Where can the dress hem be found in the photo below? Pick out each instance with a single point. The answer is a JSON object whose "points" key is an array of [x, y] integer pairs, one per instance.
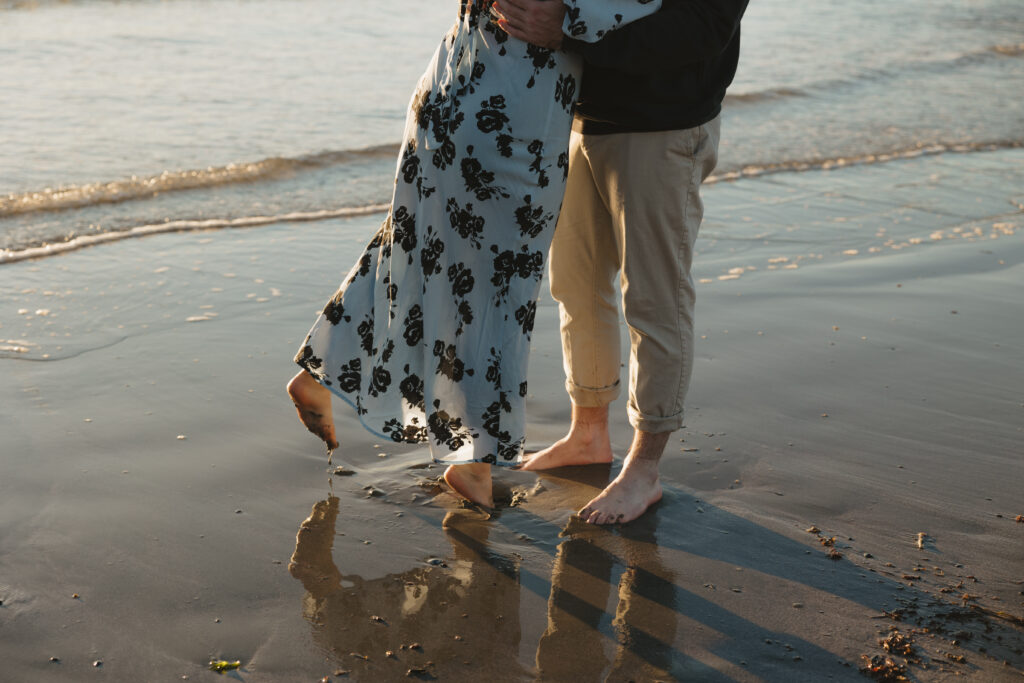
{"points": [[346, 399]]}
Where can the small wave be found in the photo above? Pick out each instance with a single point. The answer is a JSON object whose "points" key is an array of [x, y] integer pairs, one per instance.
{"points": [[185, 226], [117, 191], [887, 73], [763, 95], [755, 170]]}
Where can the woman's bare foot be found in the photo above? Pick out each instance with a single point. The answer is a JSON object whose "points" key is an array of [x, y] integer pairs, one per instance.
{"points": [[313, 402], [472, 481], [635, 489], [587, 442]]}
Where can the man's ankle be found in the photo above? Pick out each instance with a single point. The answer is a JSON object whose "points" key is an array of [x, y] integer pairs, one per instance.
{"points": [[589, 416]]}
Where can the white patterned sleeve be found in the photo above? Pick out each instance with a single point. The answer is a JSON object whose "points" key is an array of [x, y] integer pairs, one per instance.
{"points": [[590, 20]]}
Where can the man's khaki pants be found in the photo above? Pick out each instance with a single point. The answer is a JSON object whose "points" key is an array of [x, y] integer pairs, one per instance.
{"points": [[632, 209]]}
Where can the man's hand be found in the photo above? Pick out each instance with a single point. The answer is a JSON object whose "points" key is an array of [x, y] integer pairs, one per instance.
{"points": [[534, 21]]}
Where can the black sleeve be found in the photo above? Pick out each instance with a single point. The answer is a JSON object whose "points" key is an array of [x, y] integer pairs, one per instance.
{"points": [[681, 32]]}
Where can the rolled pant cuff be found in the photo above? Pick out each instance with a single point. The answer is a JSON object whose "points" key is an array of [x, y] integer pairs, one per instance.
{"points": [[592, 397], [654, 423]]}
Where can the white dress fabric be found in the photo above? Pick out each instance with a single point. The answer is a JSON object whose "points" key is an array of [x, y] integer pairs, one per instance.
{"points": [[428, 335]]}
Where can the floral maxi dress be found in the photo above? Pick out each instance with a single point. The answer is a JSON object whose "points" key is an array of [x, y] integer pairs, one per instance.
{"points": [[428, 335]]}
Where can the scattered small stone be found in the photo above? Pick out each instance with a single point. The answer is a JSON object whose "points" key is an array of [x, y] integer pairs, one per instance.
{"points": [[1020, 519], [340, 471], [813, 530], [55, 660], [74, 596], [883, 669], [458, 637], [181, 437], [834, 554], [898, 644], [824, 414], [217, 620], [98, 663], [358, 656], [341, 672], [868, 556], [920, 540], [417, 671], [238, 512], [415, 646], [798, 605], [390, 654], [378, 619]]}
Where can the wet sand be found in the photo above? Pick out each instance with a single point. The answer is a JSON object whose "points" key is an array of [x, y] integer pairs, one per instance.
{"points": [[859, 375]]}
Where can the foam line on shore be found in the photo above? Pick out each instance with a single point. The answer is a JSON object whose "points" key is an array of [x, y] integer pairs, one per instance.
{"points": [[134, 188], [755, 170], [185, 226]]}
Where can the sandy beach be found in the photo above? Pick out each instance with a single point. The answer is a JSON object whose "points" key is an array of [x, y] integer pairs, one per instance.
{"points": [[851, 466]]}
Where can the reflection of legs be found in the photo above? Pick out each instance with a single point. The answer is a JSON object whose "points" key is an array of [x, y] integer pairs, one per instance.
{"points": [[646, 623], [572, 647], [312, 562], [313, 402], [485, 606]]}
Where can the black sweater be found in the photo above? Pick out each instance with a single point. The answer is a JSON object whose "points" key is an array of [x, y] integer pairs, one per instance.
{"points": [[666, 71]]}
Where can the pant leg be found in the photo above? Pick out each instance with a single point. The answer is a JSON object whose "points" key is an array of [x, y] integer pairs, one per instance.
{"points": [[651, 185], [583, 265]]}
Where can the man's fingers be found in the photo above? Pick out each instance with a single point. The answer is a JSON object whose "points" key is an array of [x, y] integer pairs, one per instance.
{"points": [[511, 12], [512, 30]]}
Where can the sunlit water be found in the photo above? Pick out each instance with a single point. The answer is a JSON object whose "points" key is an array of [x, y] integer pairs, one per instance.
{"points": [[115, 115]]}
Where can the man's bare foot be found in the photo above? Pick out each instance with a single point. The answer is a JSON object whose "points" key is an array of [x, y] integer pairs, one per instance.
{"points": [[587, 443], [313, 402], [472, 481], [635, 489]]}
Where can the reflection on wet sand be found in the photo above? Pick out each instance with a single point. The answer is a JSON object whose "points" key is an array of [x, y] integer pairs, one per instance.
{"points": [[448, 621], [644, 626], [687, 592], [460, 617]]}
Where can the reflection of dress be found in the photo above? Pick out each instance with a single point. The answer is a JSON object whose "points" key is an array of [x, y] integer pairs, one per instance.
{"points": [[429, 334]]}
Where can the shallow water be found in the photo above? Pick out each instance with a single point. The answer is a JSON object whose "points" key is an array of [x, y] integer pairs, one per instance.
{"points": [[127, 114]]}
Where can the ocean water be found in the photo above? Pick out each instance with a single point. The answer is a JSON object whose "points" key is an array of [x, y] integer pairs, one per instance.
{"points": [[128, 117]]}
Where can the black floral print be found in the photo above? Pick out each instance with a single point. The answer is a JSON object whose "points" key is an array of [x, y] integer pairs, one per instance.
{"points": [[428, 335]]}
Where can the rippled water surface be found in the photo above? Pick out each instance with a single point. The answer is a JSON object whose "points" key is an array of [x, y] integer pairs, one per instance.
{"points": [[115, 115]]}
